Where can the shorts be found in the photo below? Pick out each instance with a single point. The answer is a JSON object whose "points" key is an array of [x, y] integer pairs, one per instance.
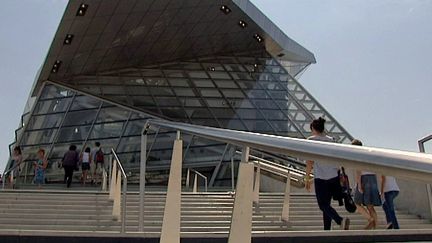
{"points": [[85, 166]]}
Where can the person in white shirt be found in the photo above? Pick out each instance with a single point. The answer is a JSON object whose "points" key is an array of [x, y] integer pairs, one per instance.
{"points": [[85, 160], [326, 179], [389, 191]]}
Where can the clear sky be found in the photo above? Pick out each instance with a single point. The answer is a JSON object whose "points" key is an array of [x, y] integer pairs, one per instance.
{"points": [[373, 71]]}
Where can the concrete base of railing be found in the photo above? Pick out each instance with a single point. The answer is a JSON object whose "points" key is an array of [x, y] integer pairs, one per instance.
{"points": [[306, 236]]}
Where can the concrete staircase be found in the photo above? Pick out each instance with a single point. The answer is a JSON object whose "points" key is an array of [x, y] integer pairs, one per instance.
{"points": [[205, 213]]}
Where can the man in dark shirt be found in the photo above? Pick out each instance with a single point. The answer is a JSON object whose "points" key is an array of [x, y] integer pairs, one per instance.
{"points": [[70, 161]]}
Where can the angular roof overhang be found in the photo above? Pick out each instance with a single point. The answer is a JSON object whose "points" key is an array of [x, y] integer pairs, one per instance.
{"points": [[116, 34]]}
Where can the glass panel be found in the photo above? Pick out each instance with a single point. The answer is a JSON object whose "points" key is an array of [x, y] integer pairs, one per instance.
{"points": [[52, 91], [45, 121], [51, 106], [68, 134], [129, 144], [112, 114], [38, 137], [107, 130], [134, 128], [80, 117], [85, 102]]}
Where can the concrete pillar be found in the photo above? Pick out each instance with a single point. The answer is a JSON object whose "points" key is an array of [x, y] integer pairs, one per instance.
{"points": [[143, 165], [286, 205], [113, 180], [241, 222], [171, 219], [257, 184]]}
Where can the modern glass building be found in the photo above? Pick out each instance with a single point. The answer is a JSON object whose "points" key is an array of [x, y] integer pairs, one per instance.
{"points": [[113, 64]]}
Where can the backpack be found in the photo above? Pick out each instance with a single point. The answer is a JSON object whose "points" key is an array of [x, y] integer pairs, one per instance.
{"points": [[346, 192], [100, 156]]}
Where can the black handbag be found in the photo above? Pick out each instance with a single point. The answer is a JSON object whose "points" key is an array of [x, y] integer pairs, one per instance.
{"points": [[346, 192], [349, 203]]}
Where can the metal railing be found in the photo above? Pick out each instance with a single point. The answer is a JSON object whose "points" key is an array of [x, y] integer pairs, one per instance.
{"points": [[421, 144], [10, 170], [296, 175], [195, 184], [119, 206], [408, 165]]}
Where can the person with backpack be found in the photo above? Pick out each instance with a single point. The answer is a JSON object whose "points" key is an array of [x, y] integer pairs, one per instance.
{"points": [[99, 161]]}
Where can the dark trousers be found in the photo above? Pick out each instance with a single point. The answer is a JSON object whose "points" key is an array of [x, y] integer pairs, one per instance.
{"points": [[389, 210], [325, 190], [68, 174]]}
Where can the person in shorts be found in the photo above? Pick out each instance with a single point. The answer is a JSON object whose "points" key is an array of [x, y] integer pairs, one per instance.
{"points": [[85, 160]]}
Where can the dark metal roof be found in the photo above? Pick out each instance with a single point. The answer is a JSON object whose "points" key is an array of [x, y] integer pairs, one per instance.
{"points": [[116, 34]]}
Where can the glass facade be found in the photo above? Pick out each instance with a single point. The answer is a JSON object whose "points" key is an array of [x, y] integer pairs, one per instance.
{"points": [[249, 92]]}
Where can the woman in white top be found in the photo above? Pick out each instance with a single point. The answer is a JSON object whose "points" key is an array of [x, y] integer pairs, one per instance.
{"points": [[85, 160], [389, 191], [326, 179]]}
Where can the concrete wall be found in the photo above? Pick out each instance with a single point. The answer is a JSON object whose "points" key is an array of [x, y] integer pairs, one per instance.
{"points": [[413, 198], [269, 184]]}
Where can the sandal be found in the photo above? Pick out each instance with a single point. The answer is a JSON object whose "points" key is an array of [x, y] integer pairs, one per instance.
{"points": [[370, 224]]}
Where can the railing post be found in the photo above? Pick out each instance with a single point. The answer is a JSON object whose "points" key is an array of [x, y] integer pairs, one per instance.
{"points": [[232, 174], [286, 204], [241, 221], [123, 205], [257, 184], [195, 185], [104, 180], [117, 199], [143, 166], [171, 219], [187, 178], [113, 180]]}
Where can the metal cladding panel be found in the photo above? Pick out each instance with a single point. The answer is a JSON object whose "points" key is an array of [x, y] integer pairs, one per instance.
{"points": [[120, 34]]}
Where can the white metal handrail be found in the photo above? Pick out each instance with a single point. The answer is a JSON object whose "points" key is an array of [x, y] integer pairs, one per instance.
{"points": [[409, 165], [117, 174], [195, 185]]}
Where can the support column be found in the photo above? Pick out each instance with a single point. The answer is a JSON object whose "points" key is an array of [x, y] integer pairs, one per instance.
{"points": [[195, 185], [142, 178], [171, 220], [113, 180], [241, 221], [286, 205], [257, 184]]}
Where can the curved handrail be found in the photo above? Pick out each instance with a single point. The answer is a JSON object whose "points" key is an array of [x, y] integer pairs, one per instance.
{"points": [[409, 165]]}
